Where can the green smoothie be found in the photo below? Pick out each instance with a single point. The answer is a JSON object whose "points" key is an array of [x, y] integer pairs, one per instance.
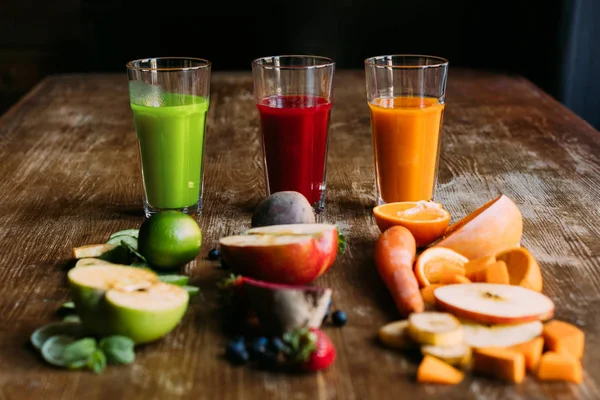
{"points": [[171, 140]]}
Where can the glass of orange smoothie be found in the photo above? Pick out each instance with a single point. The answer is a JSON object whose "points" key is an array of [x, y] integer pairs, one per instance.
{"points": [[406, 95]]}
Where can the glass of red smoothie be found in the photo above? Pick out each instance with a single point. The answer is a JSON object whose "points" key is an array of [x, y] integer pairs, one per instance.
{"points": [[293, 94]]}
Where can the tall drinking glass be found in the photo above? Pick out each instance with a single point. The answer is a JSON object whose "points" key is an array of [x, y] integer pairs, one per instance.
{"points": [[294, 96], [170, 98], [406, 95]]}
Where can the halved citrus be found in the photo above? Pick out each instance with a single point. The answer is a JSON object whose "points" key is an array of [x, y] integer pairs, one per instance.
{"points": [[435, 261], [523, 268], [493, 227], [426, 220]]}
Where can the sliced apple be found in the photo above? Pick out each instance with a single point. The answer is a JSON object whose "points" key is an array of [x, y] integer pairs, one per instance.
{"points": [[480, 336], [283, 308], [92, 250], [293, 254], [493, 227], [128, 301], [491, 303]]}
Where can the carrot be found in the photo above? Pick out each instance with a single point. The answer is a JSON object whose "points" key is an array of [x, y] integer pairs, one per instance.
{"points": [[395, 253], [433, 370]]}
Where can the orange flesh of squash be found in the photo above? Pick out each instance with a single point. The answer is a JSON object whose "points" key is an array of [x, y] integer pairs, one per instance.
{"points": [[562, 337], [427, 293], [555, 366], [478, 264], [434, 370], [499, 362], [497, 273], [532, 351]]}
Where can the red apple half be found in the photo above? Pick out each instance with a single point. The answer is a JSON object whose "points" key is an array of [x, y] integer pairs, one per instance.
{"points": [[491, 303], [295, 254]]}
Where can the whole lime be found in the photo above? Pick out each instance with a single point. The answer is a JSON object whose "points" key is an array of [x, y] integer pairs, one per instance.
{"points": [[169, 239]]}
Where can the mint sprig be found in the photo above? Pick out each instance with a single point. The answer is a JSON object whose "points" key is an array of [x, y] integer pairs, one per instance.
{"points": [[341, 240]]}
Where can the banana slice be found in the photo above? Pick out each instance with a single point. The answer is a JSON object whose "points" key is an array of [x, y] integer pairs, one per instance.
{"points": [[395, 335], [459, 354], [436, 328]]}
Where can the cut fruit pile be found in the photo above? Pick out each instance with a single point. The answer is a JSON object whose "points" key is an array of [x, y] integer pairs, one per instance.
{"points": [[472, 300]]}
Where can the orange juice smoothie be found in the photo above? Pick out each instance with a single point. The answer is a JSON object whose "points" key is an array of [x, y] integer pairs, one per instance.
{"points": [[406, 142]]}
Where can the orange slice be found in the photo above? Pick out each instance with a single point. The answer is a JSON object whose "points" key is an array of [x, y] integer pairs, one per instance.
{"points": [[493, 227], [523, 269], [426, 220], [434, 262]]}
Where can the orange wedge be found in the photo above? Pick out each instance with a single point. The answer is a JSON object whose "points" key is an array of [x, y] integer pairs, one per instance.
{"points": [[523, 269], [434, 262], [493, 227], [426, 220]]}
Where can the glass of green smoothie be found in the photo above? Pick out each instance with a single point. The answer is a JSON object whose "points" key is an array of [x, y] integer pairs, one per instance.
{"points": [[170, 97]]}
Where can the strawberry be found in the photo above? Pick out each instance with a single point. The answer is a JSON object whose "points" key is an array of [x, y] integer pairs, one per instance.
{"points": [[309, 349]]}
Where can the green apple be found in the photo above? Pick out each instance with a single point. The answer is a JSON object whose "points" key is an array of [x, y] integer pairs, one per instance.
{"points": [[128, 301]]}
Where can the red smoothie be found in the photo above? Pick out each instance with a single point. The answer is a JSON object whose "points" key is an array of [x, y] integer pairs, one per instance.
{"points": [[294, 131]]}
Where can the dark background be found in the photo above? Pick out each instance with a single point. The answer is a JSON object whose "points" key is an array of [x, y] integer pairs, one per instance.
{"points": [[554, 43]]}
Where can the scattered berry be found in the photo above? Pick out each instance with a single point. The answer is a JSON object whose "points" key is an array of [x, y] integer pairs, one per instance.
{"points": [[214, 254], [310, 349], [339, 318], [276, 345], [236, 352], [258, 346]]}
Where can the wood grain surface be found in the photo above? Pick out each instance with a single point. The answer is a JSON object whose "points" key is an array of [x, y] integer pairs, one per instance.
{"points": [[69, 176]]}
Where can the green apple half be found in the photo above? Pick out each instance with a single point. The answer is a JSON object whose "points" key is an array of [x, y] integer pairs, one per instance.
{"points": [[128, 301]]}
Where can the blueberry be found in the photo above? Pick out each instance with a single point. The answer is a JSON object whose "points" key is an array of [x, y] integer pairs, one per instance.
{"points": [[236, 352], [339, 318], [258, 346], [275, 345], [214, 254]]}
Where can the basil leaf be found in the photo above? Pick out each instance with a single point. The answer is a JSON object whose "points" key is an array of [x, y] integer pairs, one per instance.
{"points": [[192, 290], [73, 318], [78, 364], [132, 250], [69, 305], [97, 361], [118, 349], [79, 350]]}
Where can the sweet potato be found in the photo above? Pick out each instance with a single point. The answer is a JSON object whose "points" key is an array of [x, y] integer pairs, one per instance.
{"points": [[499, 362], [555, 366], [563, 337], [434, 370], [531, 350], [395, 252]]}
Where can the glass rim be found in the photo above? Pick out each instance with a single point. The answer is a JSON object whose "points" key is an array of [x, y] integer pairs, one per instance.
{"points": [[439, 61], [203, 64], [325, 62]]}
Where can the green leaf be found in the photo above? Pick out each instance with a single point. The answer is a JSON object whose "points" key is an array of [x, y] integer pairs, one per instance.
{"points": [[140, 264], [179, 280], [79, 350], [69, 305], [118, 349], [133, 250], [126, 232], [192, 290], [78, 364], [72, 318], [341, 241], [97, 361], [300, 344]]}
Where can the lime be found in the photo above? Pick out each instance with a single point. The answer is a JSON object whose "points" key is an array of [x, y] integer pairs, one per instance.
{"points": [[179, 280], [169, 239]]}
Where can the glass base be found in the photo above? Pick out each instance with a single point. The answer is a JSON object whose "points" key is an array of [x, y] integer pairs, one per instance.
{"points": [[380, 201], [193, 210]]}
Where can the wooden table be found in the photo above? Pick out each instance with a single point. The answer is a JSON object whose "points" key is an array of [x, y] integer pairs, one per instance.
{"points": [[70, 176]]}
